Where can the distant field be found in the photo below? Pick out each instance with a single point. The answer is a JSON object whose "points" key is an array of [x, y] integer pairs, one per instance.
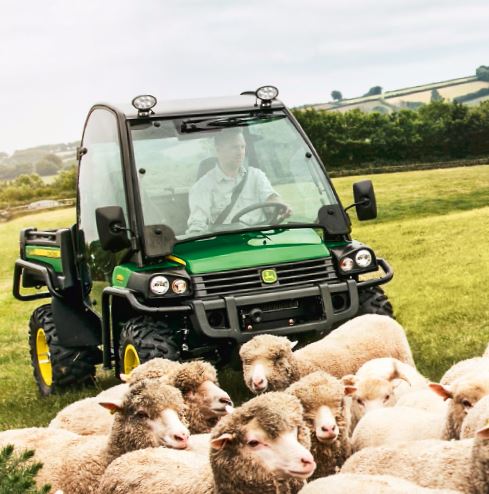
{"points": [[432, 227]]}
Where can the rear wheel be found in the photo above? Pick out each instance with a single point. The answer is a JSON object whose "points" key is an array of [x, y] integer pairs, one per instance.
{"points": [[56, 367], [144, 338], [373, 300]]}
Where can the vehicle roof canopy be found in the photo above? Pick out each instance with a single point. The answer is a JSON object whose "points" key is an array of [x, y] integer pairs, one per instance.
{"points": [[194, 106]]}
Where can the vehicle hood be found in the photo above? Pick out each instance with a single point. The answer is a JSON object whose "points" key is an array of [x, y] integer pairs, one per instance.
{"points": [[249, 249]]}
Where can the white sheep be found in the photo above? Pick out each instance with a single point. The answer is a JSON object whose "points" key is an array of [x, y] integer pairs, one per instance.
{"points": [[382, 426], [379, 383], [270, 364], [476, 418], [396, 424], [459, 465], [206, 401], [353, 483], [424, 399], [328, 417], [148, 416], [261, 447], [468, 366]]}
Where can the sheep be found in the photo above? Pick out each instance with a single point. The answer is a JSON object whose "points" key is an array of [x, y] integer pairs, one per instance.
{"points": [[396, 424], [382, 426], [149, 415], [206, 401], [261, 447], [348, 483], [465, 392], [379, 383], [475, 419], [468, 366], [459, 465], [327, 416], [269, 363], [424, 399]]}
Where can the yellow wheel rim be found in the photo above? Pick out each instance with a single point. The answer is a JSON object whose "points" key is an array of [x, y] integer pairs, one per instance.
{"points": [[44, 357], [131, 359]]}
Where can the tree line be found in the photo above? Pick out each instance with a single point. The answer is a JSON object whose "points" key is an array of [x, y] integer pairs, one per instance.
{"points": [[31, 187], [438, 131]]}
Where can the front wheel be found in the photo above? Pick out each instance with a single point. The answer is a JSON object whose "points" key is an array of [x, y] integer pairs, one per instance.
{"points": [[144, 338], [373, 300], [56, 367]]}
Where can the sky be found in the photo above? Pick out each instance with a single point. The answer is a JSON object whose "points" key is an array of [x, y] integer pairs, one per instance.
{"points": [[58, 57]]}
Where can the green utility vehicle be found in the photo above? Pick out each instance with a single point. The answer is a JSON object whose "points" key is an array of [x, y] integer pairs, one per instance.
{"points": [[200, 224]]}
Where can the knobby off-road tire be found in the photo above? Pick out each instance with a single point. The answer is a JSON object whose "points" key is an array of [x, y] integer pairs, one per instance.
{"points": [[373, 300], [56, 367], [144, 338]]}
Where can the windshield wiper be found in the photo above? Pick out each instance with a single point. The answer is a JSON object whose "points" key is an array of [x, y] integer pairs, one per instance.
{"points": [[202, 124]]}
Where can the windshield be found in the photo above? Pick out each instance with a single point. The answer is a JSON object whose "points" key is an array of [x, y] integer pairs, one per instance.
{"points": [[229, 172]]}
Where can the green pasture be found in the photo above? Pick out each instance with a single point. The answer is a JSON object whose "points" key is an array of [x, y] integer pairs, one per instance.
{"points": [[432, 227]]}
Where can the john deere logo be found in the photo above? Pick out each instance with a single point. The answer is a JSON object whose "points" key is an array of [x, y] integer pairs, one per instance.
{"points": [[269, 276]]}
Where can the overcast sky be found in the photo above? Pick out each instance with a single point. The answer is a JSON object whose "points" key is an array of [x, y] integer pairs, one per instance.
{"points": [[58, 57]]}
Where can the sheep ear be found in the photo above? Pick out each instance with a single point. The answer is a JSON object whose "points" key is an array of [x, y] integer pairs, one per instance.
{"points": [[293, 344], [112, 406], [124, 377], [443, 390], [349, 380], [349, 390], [220, 442], [484, 432]]}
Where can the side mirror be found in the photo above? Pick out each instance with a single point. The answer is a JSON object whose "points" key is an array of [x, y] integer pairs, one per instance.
{"points": [[111, 228], [365, 203]]}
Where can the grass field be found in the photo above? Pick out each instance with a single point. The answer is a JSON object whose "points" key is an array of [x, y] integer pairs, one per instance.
{"points": [[432, 227]]}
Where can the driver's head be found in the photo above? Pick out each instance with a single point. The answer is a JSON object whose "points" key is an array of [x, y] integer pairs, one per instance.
{"points": [[230, 150]]}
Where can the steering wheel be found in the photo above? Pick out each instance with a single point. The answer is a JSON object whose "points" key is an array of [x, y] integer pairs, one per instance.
{"points": [[278, 215]]}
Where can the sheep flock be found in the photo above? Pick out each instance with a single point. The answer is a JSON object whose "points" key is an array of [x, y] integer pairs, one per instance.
{"points": [[348, 413]]}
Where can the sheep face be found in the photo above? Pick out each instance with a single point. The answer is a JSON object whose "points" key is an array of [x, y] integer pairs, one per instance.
{"points": [[370, 394], [197, 380], [210, 399], [282, 456], [262, 442], [465, 392], [325, 425], [322, 397], [149, 416], [268, 363]]}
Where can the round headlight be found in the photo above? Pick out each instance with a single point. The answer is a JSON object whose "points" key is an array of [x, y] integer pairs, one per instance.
{"points": [[159, 285], [267, 93], [363, 258], [179, 286], [144, 102], [347, 264]]}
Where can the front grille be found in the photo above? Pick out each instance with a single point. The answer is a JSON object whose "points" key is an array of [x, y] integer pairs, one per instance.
{"points": [[249, 280]]}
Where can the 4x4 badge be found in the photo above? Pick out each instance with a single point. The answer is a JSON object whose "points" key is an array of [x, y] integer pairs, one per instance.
{"points": [[269, 276]]}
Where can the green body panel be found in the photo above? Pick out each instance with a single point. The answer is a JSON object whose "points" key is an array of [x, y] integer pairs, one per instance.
{"points": [[46, 255], [235, 251], [243, 250]]}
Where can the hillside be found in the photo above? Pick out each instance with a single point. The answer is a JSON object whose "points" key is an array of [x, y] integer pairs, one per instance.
{"points": [[468, 90], [45, 160]]}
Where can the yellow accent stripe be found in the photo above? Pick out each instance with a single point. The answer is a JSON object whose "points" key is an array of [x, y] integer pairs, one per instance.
{"points": [[176, 259], [53, 254]]}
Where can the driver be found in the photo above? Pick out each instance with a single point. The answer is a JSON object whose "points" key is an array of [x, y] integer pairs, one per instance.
{"points": [[229, 187]]}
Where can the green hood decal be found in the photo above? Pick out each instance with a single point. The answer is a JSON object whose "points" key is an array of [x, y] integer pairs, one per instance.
{"points": [[243, 250]]}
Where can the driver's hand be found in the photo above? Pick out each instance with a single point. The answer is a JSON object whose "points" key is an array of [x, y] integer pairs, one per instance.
{"points": [[287, 213]]}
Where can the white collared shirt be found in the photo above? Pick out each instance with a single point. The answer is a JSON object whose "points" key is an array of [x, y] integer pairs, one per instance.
{"points": [[212, 193]]}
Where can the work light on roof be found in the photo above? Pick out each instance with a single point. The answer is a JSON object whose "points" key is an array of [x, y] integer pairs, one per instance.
{"points": [[144, 103], [266, 94]]}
